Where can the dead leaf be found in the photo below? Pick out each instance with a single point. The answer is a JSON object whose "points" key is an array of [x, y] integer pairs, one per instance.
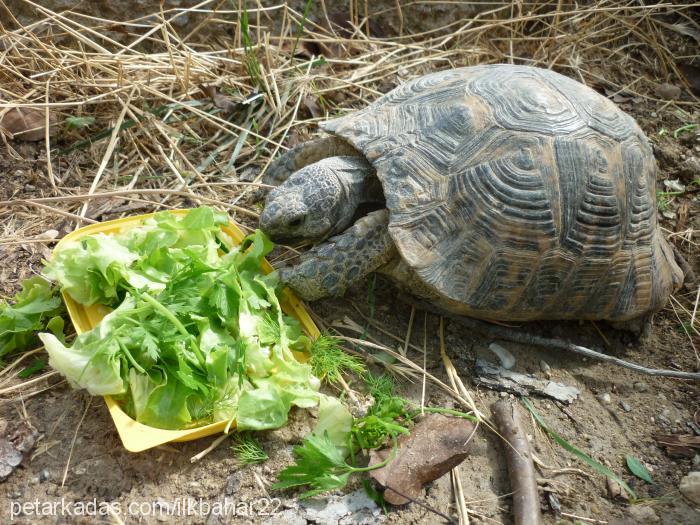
{"points": [[220, 100], [435, 446], [616, 492], [692, 75], [48, 235], [679, 445], [28, 124], [313, 106], [668, 91], [15, 445], [683, 210], [102, 211], [301, 48]]}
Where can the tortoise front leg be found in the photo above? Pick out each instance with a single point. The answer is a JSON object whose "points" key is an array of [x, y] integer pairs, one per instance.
{"points": [[329, 269], [304, 154]]}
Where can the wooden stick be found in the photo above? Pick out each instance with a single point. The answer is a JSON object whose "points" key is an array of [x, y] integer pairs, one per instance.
{"points": [[515, 335], [523, 482]]}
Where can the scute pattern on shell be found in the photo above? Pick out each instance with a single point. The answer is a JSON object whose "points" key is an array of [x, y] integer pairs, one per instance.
{"points": [[517, 193]]}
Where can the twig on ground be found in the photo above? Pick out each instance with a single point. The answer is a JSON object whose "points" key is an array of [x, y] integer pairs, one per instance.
{"points": [[75, 437], [211, 447], [523, 482], [516, 336]]}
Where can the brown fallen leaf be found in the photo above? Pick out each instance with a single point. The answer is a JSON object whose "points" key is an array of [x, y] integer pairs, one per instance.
{"points": [[679, 445], [436, 445], [668, 91], [313, 106], [220, 100], [683, 211], [16, 442], [28, 124], [301, 48], [616, 492]]}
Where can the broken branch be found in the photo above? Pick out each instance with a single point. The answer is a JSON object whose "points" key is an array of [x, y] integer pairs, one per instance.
{"points": [[523, 482]]}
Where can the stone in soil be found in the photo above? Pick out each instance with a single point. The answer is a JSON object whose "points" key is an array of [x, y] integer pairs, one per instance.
{"points": [[690, 487]]}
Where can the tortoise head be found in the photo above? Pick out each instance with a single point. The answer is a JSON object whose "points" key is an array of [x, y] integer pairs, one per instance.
{"points": [[315, 202]]}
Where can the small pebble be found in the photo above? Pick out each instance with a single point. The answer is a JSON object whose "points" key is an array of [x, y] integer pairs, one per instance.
{"points": [[643, 514], [641, 386], [44, 475], [233, 483], [546, 369], [625, 406], [503, 394], [690, 487], [663, 420], [605, 398], [504, 356], [696, 460]]}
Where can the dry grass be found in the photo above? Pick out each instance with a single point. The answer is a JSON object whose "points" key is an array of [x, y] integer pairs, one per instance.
{"points": [[154, 127]]}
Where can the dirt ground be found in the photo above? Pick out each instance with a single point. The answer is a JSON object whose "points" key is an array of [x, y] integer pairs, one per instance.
{"points": [[79, 460]]}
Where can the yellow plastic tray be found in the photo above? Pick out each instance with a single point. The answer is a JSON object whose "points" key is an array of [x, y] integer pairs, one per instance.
{"points": [[135, 436]]}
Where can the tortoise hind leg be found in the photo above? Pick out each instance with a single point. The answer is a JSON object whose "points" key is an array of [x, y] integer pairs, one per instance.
{"points": [[329, 269], [640, 327], [304, 154]]}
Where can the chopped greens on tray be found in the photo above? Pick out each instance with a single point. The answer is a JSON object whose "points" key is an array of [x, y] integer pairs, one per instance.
{"points": [[196, 335]]}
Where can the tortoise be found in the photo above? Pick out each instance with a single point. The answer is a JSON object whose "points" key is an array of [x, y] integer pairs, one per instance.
{"points": [[499, 192]]}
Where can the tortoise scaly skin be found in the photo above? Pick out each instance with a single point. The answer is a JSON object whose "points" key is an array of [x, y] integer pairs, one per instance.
{"points": [[510, 192]]}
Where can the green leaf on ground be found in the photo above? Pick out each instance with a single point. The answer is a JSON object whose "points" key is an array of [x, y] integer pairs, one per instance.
{"points": [[638, 469]]}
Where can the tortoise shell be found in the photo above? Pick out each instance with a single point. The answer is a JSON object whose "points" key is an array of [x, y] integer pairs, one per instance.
{"points": [[518, 193]]}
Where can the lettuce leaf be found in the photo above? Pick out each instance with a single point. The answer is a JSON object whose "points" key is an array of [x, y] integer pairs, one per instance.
{"points": [[199, 334], [334, 421], [36, 307]]}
